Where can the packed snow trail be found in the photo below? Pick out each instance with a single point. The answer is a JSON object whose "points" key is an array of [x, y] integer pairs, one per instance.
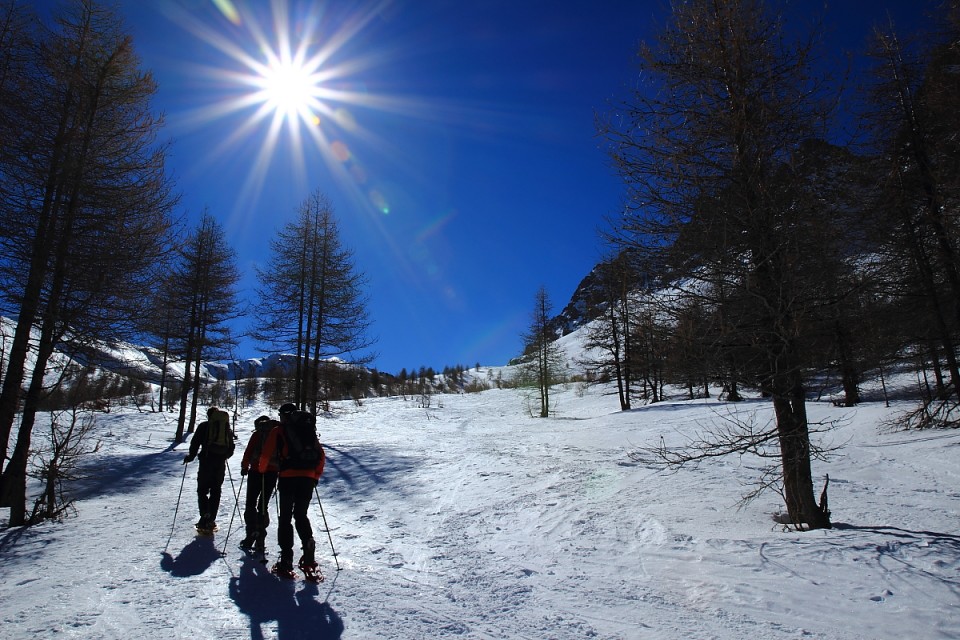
{"points": [[474, 520]]}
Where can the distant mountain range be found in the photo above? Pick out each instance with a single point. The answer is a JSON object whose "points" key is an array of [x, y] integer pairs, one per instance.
{"points": [[146, 363]]}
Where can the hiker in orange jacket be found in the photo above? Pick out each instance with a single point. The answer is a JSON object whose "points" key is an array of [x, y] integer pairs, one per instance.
{"points": [[256, 513], [301, 460]]}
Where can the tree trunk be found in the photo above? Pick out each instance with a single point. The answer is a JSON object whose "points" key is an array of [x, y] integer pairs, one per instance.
{"points": [[14, 479], [794, 437]]}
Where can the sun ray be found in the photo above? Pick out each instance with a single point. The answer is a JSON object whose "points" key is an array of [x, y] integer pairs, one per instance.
{"points": [[290, 82]]}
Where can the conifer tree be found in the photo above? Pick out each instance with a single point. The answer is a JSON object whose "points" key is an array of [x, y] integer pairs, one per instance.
{"points": [[612, 333], [84, 203], [312, 301], [202, 285], [543, 365], [705, 149], [913, 104]]}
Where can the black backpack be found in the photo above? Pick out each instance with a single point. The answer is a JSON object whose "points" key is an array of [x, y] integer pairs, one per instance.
{"points": [[303, 447]]}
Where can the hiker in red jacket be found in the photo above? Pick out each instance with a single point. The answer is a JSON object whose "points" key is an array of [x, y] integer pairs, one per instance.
{"points": [[256, 513], [301, 458]]}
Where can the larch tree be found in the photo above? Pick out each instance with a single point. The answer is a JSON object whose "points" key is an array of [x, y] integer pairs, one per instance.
{"points": [[913, 103], [543, 363], [610, 335], [203, 289], [84, 203], [705, 149], [313, 302]]}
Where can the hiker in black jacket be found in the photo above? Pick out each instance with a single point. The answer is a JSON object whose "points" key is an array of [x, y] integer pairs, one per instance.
{"points": [[213, 443]]}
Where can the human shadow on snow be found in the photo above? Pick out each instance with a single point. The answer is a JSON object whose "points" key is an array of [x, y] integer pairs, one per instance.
{"points": [[195, 558], [294, 605]]}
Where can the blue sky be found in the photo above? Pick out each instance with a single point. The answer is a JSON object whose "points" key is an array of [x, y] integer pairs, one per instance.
{"points": [[455, 140]]}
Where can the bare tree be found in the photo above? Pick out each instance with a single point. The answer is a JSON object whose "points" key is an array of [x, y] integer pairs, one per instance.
{"points": [[610, 335], [59, 461], [166, 323]]}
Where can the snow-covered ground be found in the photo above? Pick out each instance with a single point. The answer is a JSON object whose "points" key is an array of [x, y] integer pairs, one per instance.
{"points": [[470, 519]]}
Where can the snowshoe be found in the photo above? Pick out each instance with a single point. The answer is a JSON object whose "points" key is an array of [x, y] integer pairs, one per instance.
{"points": [[308, 563], [206, 525], [311, 571], [284, 570], [208, 530]]}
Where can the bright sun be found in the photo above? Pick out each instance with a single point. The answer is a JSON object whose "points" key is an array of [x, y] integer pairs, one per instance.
{"points": [[288, 70], [290, 89]]}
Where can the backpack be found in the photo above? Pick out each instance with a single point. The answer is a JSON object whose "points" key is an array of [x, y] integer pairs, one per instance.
{"points": [[219, 435], [256, 448], [303, 449]]}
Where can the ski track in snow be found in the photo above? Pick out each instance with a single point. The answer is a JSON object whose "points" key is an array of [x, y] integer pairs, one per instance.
{"points": [[472, 520]]}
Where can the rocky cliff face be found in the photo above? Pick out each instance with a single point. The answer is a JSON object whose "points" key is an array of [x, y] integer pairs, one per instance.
{"points": [[585, 304]]}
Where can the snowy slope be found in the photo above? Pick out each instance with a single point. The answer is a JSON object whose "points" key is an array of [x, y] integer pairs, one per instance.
{"points": [[472, 520]]}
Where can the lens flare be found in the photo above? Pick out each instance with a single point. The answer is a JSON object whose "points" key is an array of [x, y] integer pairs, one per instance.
{"points": [[379, 201], [340, 151], [292, 85], [228, 10]]}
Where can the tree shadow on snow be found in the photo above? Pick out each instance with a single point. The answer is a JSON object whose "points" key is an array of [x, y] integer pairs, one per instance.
{"points": [[361, 472], [124, 473], [195, 558], [945, 547], [294, 605], [947, 540], [10, 538]]}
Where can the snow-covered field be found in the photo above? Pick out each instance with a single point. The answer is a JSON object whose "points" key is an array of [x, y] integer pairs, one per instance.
{"points": [[470, 519]]}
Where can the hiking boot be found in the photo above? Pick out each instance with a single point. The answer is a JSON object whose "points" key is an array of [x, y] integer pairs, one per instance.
{"points": [[249, 542], [309, 546], [285, 564]]}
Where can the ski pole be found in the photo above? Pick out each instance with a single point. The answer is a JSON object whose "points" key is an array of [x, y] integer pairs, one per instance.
{"points": [[327, 527], [236, 509], [263, 508], [236, 505], [174, 525]]}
